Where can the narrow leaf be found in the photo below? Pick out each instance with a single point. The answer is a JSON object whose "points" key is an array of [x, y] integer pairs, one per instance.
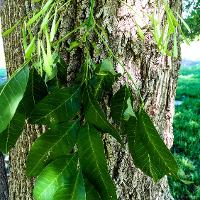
{"points": [[54, 26], [10, 30], [41, 12], [55, 142], [147, 148], [107, 66], [119, 104], [57, 107], [30, 49], [36, 90], [91, 192], [11, 95], [129, 110], [95, 115], [57, 174], [74, 190], [9, 137], [93, 162]]}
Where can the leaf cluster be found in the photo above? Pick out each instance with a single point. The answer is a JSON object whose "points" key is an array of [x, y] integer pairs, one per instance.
{"points": [[69, 160]]}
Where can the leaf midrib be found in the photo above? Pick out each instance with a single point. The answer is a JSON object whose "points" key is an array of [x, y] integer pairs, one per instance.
{"points": [[44, 116], [97, 111], [146, 129], [97, 164], [50, 149], [56, 177]]}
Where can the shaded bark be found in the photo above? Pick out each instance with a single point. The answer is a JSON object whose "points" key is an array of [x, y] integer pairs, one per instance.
{"points": [[155, 76], [3, 179]]}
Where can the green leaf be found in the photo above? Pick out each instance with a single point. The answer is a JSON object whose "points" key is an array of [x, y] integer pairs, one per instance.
{"points": [[93, 162], [91, 192], [74, 190], [41, 12], [57, 107], [107, 66], [36, 90], [119, 104], [73, 45], [147, 148], [184, 23], [95, 115], [45, 21], [30, 49], [10, 30], [57, 174], [140, 32], [101, 84], [11, 95], [57, 141], [129, 110], [54, 26], [9, 137]]}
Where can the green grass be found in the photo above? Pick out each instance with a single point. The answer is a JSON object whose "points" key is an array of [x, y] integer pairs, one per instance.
{"points": [[186, 147]]}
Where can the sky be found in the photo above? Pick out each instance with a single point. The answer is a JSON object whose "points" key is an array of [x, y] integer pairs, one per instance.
{"points": [[191, 52]]}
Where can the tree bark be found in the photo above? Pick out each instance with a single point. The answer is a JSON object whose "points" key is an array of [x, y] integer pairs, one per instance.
{"points": [[3, 179], [155, 75]]}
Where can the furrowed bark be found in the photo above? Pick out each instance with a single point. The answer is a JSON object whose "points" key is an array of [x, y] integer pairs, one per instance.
{"points": [[154, 74]]}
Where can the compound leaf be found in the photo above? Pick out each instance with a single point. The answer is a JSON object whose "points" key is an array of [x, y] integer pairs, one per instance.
{"points": [[36, 90], [57, 141], [118, 104], [147, 148], [93, 161], [57, 174], [95, 115], [11, 94], [9, 137], [73, 190], [91, 192], [57, 107]]}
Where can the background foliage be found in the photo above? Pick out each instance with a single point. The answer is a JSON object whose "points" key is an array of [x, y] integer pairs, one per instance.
{"points": [[192, 17], [186, 135]]}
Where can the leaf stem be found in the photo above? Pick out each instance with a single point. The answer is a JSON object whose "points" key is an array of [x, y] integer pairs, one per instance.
{"points": [[122, 64]]}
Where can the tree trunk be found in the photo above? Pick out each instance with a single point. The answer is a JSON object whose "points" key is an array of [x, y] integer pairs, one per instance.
{"points": [[3, 179], [155, 75]]}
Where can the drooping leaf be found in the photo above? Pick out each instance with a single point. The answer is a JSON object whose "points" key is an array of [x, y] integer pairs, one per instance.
{"points": [[147, 148], [93, 161], [10, 30], [9, 137], [101, 84], [57, 141], [11, 95], [95, 115], [119, 103], [57, 174], [30, 49], [73, 190], [91, 192], [36, 90], [40, 13], [107, 66], [57, 107], [129, 110], [140, 32]]}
